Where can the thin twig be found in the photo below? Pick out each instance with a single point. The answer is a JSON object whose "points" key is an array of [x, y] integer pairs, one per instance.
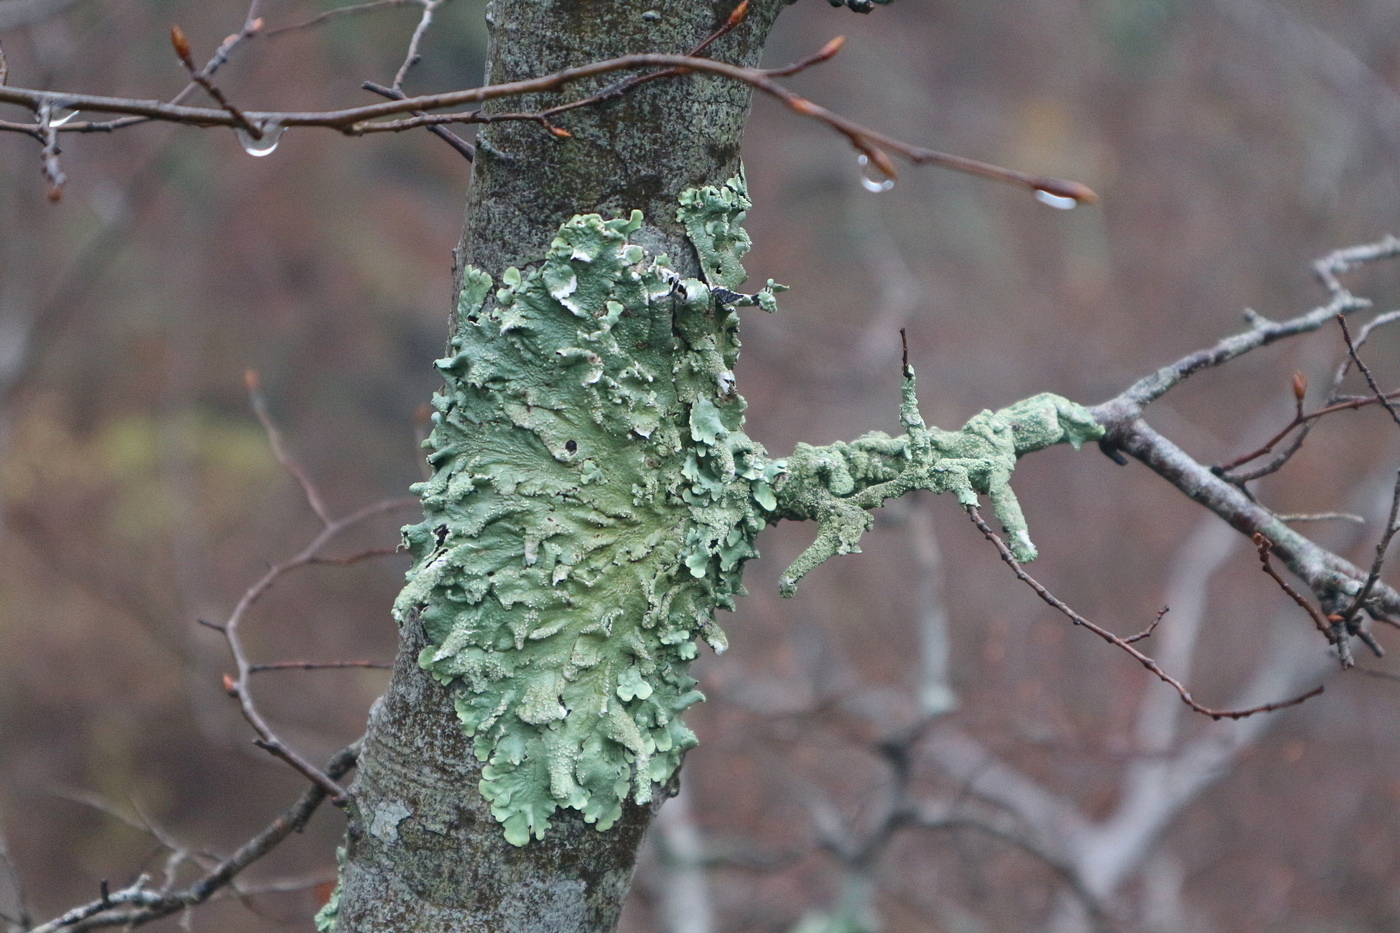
{"points": [[237, 685], [1265, 546], [412, 56], [145, 905], [1300, 419], [466, 149], [1059, 605], [373, 118], [317, 666], [279, 449], [48, 156], [182, 51], [339, 11], [1392, 522], [346, 560], [626, 85], [1152, 627], [1335, 401]]}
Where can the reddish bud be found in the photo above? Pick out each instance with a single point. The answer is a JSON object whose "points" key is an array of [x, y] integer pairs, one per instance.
{"points": [[250, 380], [1300, 386], [181, 46], [230, 687], [738, 15], [831, 48], [559, 132]]}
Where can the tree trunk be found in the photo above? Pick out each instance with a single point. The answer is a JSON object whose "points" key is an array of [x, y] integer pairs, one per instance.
{"points": [[423, 850]]}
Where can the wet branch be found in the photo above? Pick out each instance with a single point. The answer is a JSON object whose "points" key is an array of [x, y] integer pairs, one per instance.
{"points": [[393, 116]]}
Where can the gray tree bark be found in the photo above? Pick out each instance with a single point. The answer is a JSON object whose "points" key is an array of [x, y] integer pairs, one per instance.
{"points": [[422, 849]]}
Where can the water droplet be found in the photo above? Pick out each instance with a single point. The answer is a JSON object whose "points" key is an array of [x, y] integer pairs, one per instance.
{"points": [[871, 178], [1057, 201], [55, 113], [271, 135]]}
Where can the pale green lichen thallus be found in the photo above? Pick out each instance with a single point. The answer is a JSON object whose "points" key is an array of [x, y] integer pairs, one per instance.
{"points": [[594, 500]]}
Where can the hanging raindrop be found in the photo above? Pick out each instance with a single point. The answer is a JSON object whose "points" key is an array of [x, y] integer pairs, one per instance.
{"points": [[1057, 201], [871, 178], [271, 135], [54, 112]]}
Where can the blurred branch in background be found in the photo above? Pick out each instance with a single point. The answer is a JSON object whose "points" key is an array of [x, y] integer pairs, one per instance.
{"points": [[14, 914], [17, 13], [141, 902]]}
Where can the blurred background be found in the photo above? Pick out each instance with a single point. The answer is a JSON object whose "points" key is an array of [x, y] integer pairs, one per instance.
{"points": [[1046, 781]]}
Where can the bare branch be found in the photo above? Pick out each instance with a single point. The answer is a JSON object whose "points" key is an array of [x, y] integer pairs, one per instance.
{"points": [[1323, 625], [182, 51], [338, 12], [142, 905], [317, 666], [279, 450], [376, 118], [238, 686], [48, 132], [467, 150], [412, 56], [1262, 331], [1059, 605], [1335, 582]]}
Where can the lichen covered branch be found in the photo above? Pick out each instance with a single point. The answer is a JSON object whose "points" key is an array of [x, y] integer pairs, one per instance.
{"points": [[837, 484]]}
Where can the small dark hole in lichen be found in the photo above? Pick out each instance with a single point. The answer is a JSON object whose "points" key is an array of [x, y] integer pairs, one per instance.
{"points": [[571, 446]]}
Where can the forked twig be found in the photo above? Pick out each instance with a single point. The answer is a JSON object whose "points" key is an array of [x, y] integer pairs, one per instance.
{"points": [[1350, 616], [137, 903], [1265, 546], [1060, 606], [467, 150], [237, 685]]}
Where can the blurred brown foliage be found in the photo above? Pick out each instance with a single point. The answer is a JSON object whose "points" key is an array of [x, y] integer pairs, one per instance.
{"points": [[1232, 142]]}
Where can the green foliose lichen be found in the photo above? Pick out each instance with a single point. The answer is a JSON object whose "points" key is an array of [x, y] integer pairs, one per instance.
{"points": [[592, 505]]}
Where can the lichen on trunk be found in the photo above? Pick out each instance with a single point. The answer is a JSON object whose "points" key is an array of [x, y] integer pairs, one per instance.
{"points": [[593, 504]]}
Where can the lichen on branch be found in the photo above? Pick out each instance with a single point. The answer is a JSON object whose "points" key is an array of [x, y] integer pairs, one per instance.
{"points": [[836, 485], [595, 499]]}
